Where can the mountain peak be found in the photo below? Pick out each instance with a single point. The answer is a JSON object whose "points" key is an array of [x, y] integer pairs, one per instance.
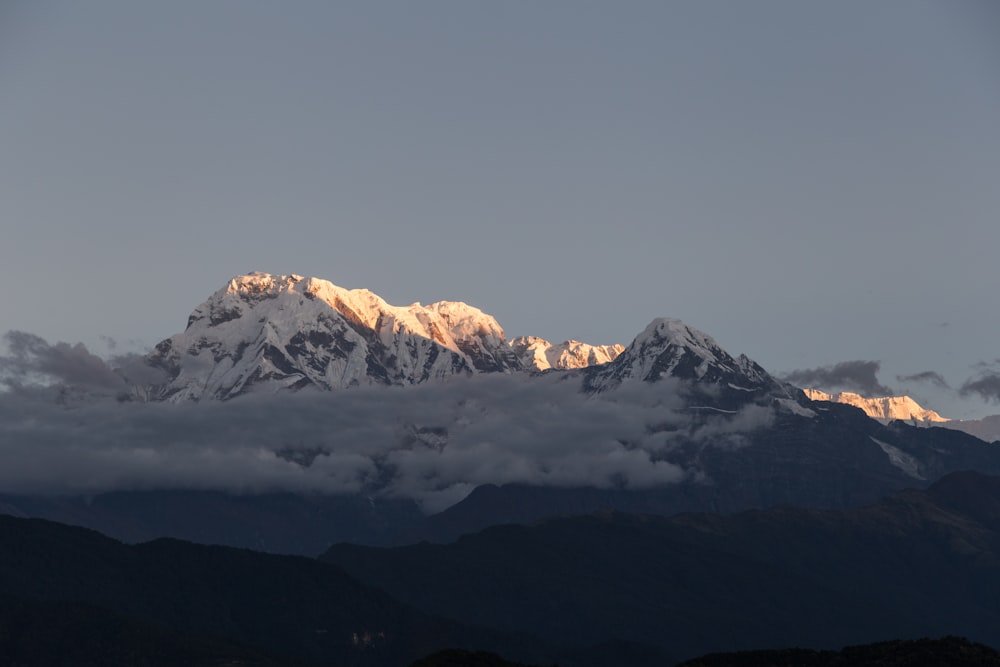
{"points": [[274, 332], [258, 281], [668, 347], [290, 332], [664, 332]]}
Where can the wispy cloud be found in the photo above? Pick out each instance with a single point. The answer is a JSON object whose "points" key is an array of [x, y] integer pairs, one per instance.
{"points": [[858, 376], [931, 377], [986, 384]]}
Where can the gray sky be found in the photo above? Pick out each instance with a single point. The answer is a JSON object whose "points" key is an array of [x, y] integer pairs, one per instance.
{"points": [[810, 183]]}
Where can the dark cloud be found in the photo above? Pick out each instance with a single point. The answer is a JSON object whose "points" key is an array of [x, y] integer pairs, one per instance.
{"points": [[857, 376], [136, 373], [433, 443], [926, 376], [986, 385], [31, 362], [30, 358]]}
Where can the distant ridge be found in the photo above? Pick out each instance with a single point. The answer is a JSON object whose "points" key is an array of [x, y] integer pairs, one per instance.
{"points": [[886, 408], [890, 408]]}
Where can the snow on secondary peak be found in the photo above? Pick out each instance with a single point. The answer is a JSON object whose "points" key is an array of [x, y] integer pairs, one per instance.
{"points": [[885, 408], [668, 347]]}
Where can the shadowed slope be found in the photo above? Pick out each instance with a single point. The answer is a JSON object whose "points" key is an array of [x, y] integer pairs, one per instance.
{"points": [[916, 564], [289, 605]]}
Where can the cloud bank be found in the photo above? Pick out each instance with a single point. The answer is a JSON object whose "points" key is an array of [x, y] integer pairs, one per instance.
{"points": [[433, 443]]}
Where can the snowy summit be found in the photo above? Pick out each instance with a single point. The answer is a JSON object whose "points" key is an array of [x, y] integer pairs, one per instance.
{"points": [[276, 332]]}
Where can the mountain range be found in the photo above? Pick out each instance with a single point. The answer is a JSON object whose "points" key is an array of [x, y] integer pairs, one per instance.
{"points": [[584, 591], [423, 484], [916, 563], [263, 332], [397, 424], [272, 333]]}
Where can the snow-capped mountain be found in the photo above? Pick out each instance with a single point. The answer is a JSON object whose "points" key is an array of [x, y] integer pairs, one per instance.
{"points": [[539, 354], [274, 332], [672, 423], [669, 348], [294, 332], [264, 332], [885, 408], [889, 408]]}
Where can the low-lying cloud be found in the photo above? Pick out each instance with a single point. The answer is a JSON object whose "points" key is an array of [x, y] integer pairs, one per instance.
{"points": [[432, 443]]}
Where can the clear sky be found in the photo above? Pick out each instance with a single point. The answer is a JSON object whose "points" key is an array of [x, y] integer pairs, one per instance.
{"points": [[808, 182]]}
